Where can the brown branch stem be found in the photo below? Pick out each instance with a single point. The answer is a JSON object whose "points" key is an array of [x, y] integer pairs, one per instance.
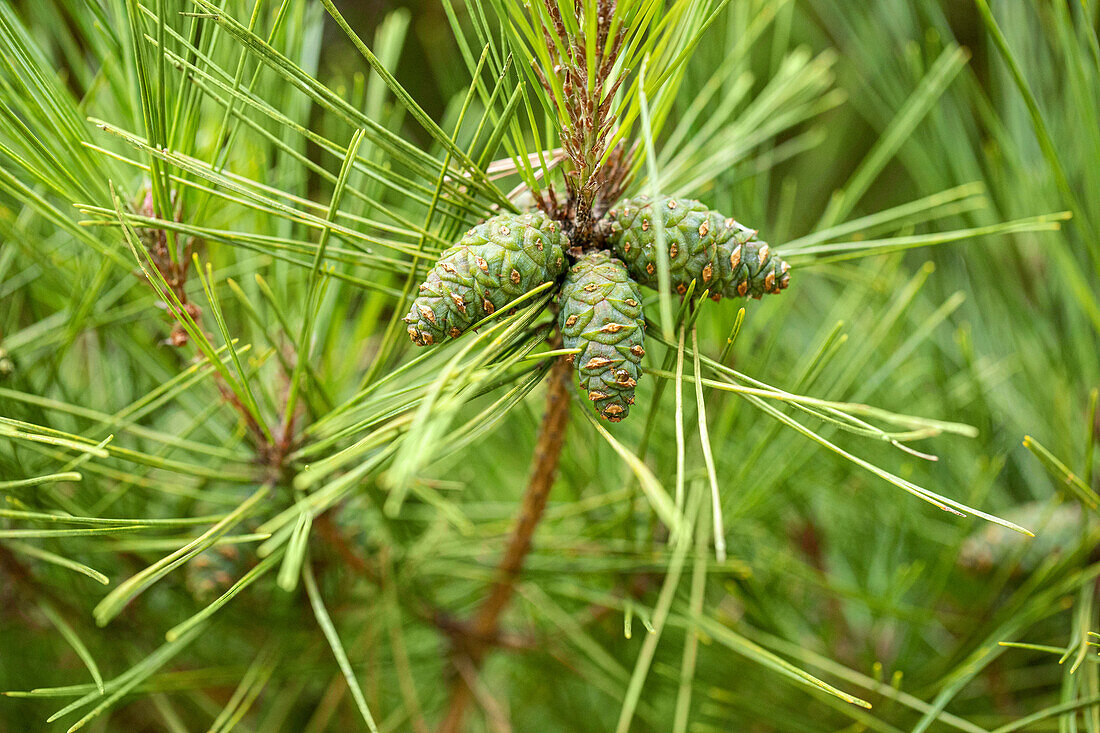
{"points": [[472, 643]]}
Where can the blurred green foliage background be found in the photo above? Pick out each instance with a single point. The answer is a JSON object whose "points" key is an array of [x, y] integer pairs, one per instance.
{"points": [[808, 114]]}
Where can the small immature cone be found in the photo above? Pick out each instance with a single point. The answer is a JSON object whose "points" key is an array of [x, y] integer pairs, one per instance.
{"points": [[601, 313], [715, 251], [495, 262]]}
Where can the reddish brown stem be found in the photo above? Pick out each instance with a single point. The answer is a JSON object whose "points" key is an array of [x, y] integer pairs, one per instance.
{"points": [[472, 644]]}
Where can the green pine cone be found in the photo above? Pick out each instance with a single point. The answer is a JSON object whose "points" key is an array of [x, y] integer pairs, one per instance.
{"points": [[715, 251], [601, 312], [495, 262]]}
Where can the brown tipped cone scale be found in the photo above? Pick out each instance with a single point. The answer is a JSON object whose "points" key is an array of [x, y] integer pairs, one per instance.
{"points": [[495, 262], [721, 255], [601, 314]]}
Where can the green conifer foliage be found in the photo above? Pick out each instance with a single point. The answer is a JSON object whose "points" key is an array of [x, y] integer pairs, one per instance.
{"points": [[601, 313], [703, 245], [495, 262]]}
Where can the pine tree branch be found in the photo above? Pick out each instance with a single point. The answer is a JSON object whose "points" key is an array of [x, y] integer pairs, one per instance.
{"points": [[473, 642]]}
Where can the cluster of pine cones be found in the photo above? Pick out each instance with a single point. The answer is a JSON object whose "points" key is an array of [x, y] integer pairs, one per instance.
{"points": [[600, 303]]}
